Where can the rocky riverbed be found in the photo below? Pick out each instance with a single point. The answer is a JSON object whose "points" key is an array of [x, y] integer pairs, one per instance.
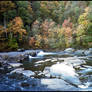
{"points": [[68, 70]]}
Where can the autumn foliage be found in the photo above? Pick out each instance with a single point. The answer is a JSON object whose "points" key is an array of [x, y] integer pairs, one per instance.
{"points": [[45, 24], [16, 26]]}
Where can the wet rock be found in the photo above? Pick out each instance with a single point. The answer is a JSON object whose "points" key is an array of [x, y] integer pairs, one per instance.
{"points": [[16, 56], [66, 72], [47, 60], [79, 52], [25, 84], [41, 61], [18, 70], [46, 71], [16, 76], [86, 71], [0, 64], [5, 57], [27, 73], [90, 49], [88, 52], [2, 70], [69, 50], [57, 84], [15, 64], [33, 54], [22, 49], [74, 61], [61, 59], [4, 67], [54, 60]]}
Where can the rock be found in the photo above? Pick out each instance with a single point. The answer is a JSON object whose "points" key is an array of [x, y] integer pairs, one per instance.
{"points": [[41, 61], [66, 72], [69, 50], [74, 61], [2, 70], [86, 71], [16, 76], [4, 67], [25, 84], [54, 60], [47, 60], [46, 71], [22, 49], [16, 56], [88, 52], [57, 84], [79, 52], [90, 49], [33, 54], [27, 73], [15, 64], [5, 57], [18, 70]]}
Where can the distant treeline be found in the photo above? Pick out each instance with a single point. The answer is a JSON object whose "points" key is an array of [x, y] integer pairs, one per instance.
{"points": [[45, 24]]}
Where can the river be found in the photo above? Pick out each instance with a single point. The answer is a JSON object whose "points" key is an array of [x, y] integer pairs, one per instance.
{"points": [[58, 71]]}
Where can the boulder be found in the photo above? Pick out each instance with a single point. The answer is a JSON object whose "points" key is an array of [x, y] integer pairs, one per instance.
{"points": [[79, 52], [27, 73], [65, 72], [58, 85], [15, 64], [88, 52], [74, 61], [25, 84], [69, 50]]}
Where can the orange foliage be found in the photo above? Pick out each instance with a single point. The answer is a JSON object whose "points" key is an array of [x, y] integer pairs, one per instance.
{"points": [[67, 23], [67, 26], [32, 42], [46, 26], [16, 25]]}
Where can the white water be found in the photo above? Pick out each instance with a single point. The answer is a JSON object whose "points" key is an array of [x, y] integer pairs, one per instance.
{"points": [[41, 54]]}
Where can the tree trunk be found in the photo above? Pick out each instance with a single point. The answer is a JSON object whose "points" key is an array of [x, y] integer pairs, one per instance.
{"points": [[5, 24]]}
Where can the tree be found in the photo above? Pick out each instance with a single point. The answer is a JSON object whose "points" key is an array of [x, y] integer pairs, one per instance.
{"points": [[16, 28], [84, 33], [4, 8], [67, 27], [24, 10]]}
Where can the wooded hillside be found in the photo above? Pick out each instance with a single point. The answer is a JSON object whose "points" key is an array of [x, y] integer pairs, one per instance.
{"points": [[45, 24]]}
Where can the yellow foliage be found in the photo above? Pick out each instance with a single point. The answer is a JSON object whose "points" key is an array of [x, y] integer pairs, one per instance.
{"points": [[15, 26]]}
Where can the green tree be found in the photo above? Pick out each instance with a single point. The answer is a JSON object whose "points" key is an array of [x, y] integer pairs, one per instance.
{"points": [[84, 33]]}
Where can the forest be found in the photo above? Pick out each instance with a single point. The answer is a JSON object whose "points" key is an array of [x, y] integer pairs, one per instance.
{"points": [[45, 24]]}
